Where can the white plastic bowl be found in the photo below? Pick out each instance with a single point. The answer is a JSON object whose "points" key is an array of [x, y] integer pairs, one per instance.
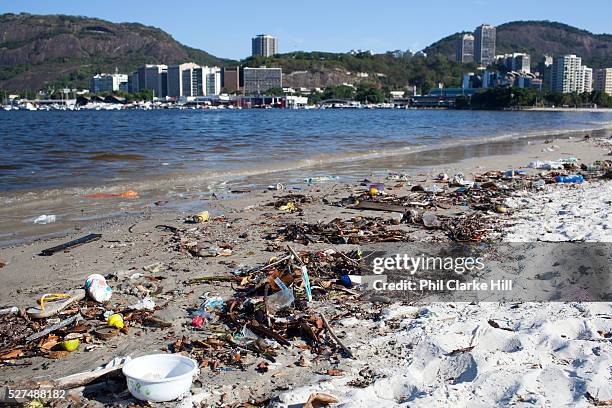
{"points": [[160, 377]]}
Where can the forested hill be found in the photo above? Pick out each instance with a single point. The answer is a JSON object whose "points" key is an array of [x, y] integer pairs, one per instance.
{"points": [[39, 50], [539, 38], [56, 50]]}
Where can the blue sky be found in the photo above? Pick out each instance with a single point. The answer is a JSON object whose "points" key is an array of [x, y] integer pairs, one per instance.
{"points": [[224, 28]]}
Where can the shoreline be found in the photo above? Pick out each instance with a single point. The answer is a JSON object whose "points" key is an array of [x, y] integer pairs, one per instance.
{"points": [[185, 192], [250, 225], [592, 110]]}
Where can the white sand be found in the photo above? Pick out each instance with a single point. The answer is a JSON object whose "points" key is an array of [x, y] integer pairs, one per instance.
{"points": [[554, 356], [566, 213]]}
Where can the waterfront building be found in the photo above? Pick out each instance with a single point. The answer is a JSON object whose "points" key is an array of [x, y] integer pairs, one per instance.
{"points": [[565, 74], [212, 80], [603, 80], [231, 79], [191, 80], [133, 82], [465, 48], [484, 44], [259, 80], [264, 45], [585, 79], [295, 102], [109, 83], [184, 80], [153, 78]]}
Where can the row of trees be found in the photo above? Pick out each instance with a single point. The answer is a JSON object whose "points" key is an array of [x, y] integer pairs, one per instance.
{"points": [[364, 92], [516, 98]]}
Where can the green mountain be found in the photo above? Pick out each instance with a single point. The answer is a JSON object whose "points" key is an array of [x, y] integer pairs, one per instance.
{"points": [[37, 51], [41, 51], [539, 38]]}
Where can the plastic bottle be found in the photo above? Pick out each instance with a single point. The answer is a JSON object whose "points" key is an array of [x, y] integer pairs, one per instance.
{"points": [[576, 178]]}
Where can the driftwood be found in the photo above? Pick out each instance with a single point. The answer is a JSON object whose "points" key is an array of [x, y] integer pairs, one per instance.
{"points": [[55, 327], [336, 339], [71, 244], [82, 379], [219, 278], [374, 206]]}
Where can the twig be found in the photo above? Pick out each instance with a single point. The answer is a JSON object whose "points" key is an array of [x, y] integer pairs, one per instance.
{"points": [[295, 255], [336, 339], [268, 332], [272, 264], [55, 327]]}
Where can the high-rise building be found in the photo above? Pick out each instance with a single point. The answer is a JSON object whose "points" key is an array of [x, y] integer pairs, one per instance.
{"points": [[190, 80], [109, 83], [212, 80], [184, 81], [517, 62], [465, 48], [264, 45], [484, 44], [231, 79], [565, 75], [259, 80], [603, 80], [151, 78], [133, 82], [585, 79]]}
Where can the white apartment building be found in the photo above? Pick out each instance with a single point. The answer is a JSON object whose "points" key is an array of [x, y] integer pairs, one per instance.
{"points": [[213, 80], [191, 80], [585, 79], [565, 74], [603, 80]]}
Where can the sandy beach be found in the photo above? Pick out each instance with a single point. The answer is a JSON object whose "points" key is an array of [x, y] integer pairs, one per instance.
{"points": [[405, 353]]}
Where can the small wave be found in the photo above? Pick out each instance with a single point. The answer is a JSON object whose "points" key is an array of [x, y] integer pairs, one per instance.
{"points": [[9, 167], [117, 157], [206, 177]]}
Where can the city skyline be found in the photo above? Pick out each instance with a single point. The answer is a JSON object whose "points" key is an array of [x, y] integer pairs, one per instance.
{"points": [[306, 28]]}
